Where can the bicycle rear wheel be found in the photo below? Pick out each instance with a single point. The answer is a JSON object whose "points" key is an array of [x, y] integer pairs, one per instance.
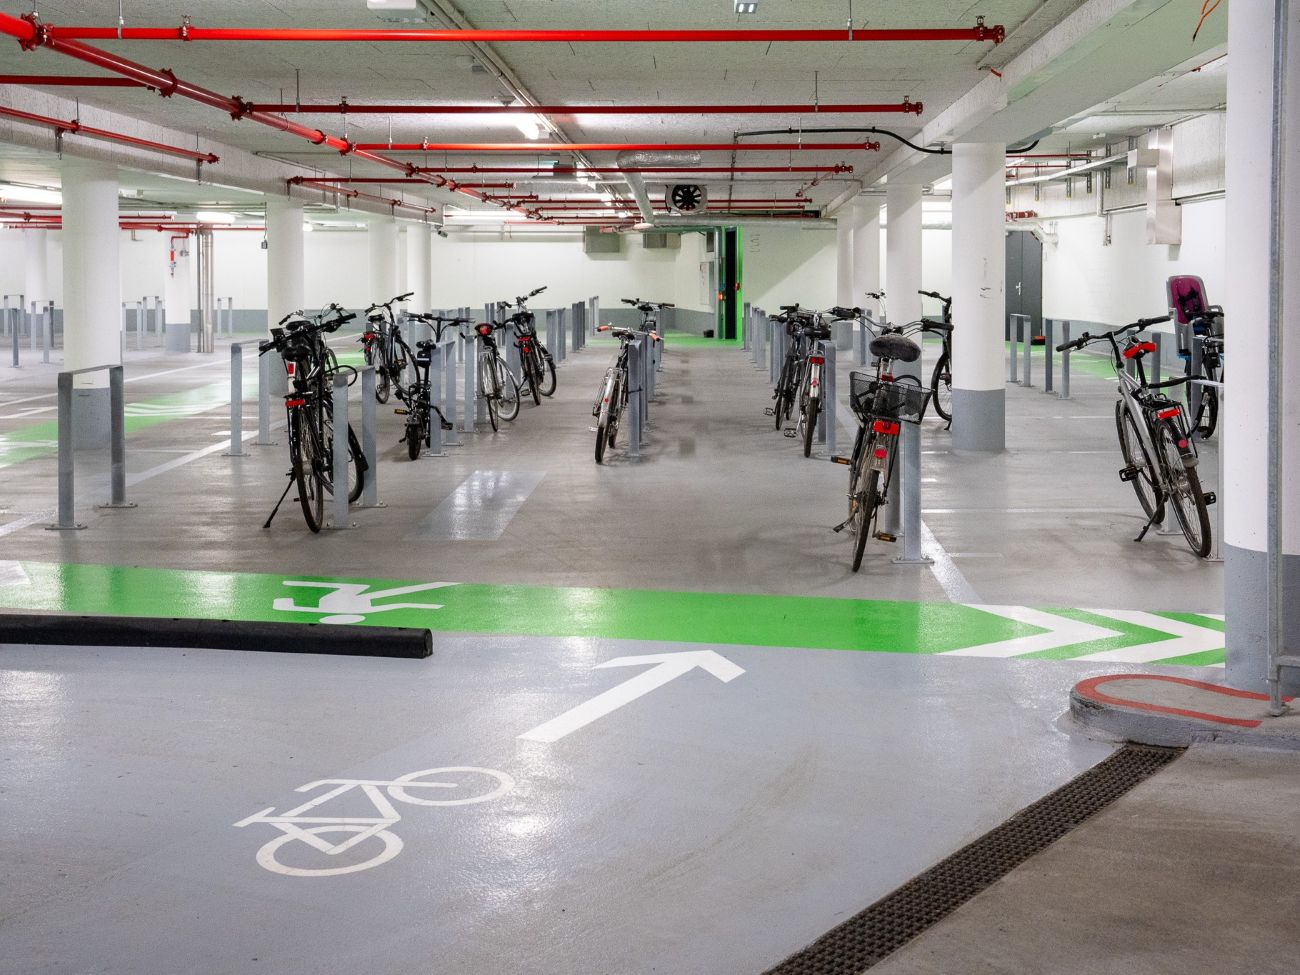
{"points": [[941, 386], [548, 372], [1185, 492], [868, 504], [508, 392], [811, 409], [1138, 460], [533, 376], [415, 432], [306, 458], [1207, 417]]}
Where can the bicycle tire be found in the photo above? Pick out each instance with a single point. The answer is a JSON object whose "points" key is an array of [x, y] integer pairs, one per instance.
{"points": [[941, 388], [414, 436], [602, 434], [1207, 419], [534, 378], [869, 501], [811, 410], [357, 464], [548, 364], [1185, 494], [509, 396], [266, 858], [1144, 484], [304, 455], [615, 410], [780, 407]]}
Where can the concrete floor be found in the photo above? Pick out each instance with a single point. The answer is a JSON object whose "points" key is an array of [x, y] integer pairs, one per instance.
{"points": [[715, 824]]}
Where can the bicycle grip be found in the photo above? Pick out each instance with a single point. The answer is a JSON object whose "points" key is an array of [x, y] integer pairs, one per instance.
{"points": [[602, 328], [264, 347], [666, 304], [288, 316], [789, 307], [404, 297], [1144, 322], [930, 294]]}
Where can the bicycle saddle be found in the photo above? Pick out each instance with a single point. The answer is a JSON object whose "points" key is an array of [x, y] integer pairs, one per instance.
{"points": [[896, 347]]}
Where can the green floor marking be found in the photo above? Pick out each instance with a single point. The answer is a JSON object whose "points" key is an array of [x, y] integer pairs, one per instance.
{"points": [[1206, 658], [1130, 635], [1196, 619], [797, 621]]}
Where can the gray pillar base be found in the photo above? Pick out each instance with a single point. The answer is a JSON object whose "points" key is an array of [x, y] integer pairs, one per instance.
{"points": [[979, 419], [176, 338], [90, 418], [1245, 596], [843, 332]]}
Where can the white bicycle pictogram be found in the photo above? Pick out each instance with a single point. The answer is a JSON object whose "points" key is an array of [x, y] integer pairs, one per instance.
{"points": [[296, 827], [352, 602]]}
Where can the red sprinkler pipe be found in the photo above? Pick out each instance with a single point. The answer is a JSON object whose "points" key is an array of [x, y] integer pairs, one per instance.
{"points": [[66, 81], [906, 106], [361, 195], [536, 147], [188, 32], [76, 128], [530, 171], [31, 34]]}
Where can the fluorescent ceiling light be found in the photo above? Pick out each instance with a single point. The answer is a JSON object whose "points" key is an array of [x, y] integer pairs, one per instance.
{"points": [[392, 5], [746, 7], [214, 216], [307, 228], [529, 125], [11, 193]]}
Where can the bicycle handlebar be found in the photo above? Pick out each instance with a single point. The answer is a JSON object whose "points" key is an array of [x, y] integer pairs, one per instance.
{"points": [[1086, 338], [841, 312]]}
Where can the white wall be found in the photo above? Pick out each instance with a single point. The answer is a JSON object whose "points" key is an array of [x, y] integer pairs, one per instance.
{"points": [[1086, 281], [784, 265]]}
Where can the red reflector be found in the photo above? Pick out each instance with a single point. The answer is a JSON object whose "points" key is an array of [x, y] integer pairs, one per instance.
{"points": [[887, 379], [1182, 445], [884, 426], [485, 330], [370, 336], [1167, 413], [1141, 348], [295, 402], [817, 360], [881, 453], [288, 367]]}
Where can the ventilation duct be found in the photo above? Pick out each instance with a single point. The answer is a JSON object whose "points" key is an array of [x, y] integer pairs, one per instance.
{"points": [[640, 159]]}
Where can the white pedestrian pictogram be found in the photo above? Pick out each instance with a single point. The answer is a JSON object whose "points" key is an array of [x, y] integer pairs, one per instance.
{"points": [[350, 602]]}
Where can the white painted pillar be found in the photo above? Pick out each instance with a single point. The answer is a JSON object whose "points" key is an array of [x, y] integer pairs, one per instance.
{"points": [[844, 257], [36, 261], [383, 258], [178, 290], [419, 265], [285, 272], [979, 296], [92, 292], [903, 252], [866, 251], [1244, 494]]}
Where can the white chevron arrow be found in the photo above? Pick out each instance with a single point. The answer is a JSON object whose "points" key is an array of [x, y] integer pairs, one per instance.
{"points": [[13, 574], [1061, 632], [1188, 638]]}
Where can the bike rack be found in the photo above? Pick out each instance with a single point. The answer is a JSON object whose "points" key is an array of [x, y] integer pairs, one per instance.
{"points": [[370, 491], [826, 419], [910, 491], [226, 313], [265, 363], [14, 323], [448, 349], [1022, 333], [117, 446], [746, 325], [636, 399], [468, 414], [236, 401], [1065, 362], [436, 369], [46, 318], [339, 496]]}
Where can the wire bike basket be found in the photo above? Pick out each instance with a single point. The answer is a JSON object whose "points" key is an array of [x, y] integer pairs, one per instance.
{"points": [[888, 398]]}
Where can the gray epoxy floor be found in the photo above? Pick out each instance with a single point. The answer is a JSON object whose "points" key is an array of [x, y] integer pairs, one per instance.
{"points": [[706, 827]]}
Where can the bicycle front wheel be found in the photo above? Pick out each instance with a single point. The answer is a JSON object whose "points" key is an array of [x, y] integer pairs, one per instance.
{"points": [[812, 408], [1185, 492], [1137, 460], [306, 451], [548, 374], [533, 375], [508, 392], [941, 387], [868, 505]]}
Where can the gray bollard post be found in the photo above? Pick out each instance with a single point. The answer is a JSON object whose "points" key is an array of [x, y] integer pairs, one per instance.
{"points": [[67, 471], [1027, 324], [468, 413], [159, 317], [634, 373], [1065, 361], [15, 326], [44, 318], [369, 449], [117, 439], [1194, 390], [911, 497], [236, 401], [264, 365], [1015, 349], [1048, 347], [435, 399], [828, 425], [139, 325], [339, 500], [746, 326], [449, 392], [31, 327], [1158, 339]]}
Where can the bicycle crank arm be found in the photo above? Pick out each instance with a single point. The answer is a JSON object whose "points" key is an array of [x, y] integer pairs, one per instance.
{"points": [[886, 537], [846, 461]]}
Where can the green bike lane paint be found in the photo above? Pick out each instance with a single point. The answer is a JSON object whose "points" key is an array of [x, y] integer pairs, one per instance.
{"points": [[807, 622]]}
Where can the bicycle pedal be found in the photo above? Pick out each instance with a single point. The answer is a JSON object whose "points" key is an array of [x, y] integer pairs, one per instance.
{"points": [[446, 425], [401, 411], [886, 537], [846, 461], [1211, 497], [770, 411], [790, 432], [1128, 474]]}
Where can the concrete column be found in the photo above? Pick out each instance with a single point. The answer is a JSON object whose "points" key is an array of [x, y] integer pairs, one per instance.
{"points": [[979, 299], [844, 257], [1250, 205], [92, 293], [36, 277], [419, 265], [284, 268], [866, 251], [383, 258], [178, 291], [903, 252]]}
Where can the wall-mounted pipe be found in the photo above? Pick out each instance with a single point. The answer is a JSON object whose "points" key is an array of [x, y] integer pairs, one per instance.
{"points": [[190, 33], [75, 127], [536, 147], [906, 106]]}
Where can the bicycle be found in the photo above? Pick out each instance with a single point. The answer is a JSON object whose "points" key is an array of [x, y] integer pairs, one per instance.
{"points": [[1209, 326], [380, 345], [941, 377], [535, 361], [496, 383], [615, 388], [801, 373], [649, 320], [882, 403], [1162, 432], [418, 409], [309, 412]]}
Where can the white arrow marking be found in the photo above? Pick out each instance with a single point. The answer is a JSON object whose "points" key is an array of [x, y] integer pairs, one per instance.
{"points": [[13, 574], [1189, 638], [1061, 632], [669, 667]]}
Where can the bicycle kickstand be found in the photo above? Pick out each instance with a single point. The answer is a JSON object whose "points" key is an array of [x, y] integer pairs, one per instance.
{"points": [[276, 509], [1153, 520]]}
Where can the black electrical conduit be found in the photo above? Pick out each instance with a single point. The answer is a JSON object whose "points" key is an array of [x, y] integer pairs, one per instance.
{"points": [[873, 131]]}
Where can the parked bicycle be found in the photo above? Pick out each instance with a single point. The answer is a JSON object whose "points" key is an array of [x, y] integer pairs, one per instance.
{"points": [[1151, 425], [496, 383], [615, 388], [1209, 327], [882, 403], [309, 407], [381, 344], [536, 365], [649, 316], [418, 408], [801, 373], [941, 377]]}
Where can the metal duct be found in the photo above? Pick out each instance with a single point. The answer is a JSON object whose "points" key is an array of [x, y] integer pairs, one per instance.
{"points": [[640, 159]]}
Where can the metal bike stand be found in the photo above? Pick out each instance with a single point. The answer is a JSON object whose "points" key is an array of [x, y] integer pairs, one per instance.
{"points": [[1065, 361], [160, 320], [236, 401], [911, 498], [435, 400], [635, 372], [15, 323], [339, 496], [1156, 358], [825, 420], [449, 401], [746, 321], [1027, 338], [117, 447], [1048, 345], [139, 325], [1014, 328], [45, 319], [1198, 365], [264, 365], [370, 491], [468, 414]]}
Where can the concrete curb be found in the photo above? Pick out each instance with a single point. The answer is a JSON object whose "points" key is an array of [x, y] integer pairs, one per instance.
{"points": [[130, 631], [1156, 709]]}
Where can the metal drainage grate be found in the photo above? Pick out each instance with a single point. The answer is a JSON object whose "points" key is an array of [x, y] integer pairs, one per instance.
{"points": [[897, 918]]}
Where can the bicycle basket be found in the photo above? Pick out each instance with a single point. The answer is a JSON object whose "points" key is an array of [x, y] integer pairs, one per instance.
{"points": [[891, 399]]}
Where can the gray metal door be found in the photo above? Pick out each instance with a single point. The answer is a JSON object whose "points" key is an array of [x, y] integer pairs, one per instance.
{"points": [[1024, 278]]}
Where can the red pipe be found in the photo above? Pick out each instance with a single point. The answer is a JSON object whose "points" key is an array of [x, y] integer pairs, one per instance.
{"points": [[69, 81], [1049, 155], [76, 128], [346, 108], [362, 195], [530, 172], [538, 147], [32, 35], [188, 32]]}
